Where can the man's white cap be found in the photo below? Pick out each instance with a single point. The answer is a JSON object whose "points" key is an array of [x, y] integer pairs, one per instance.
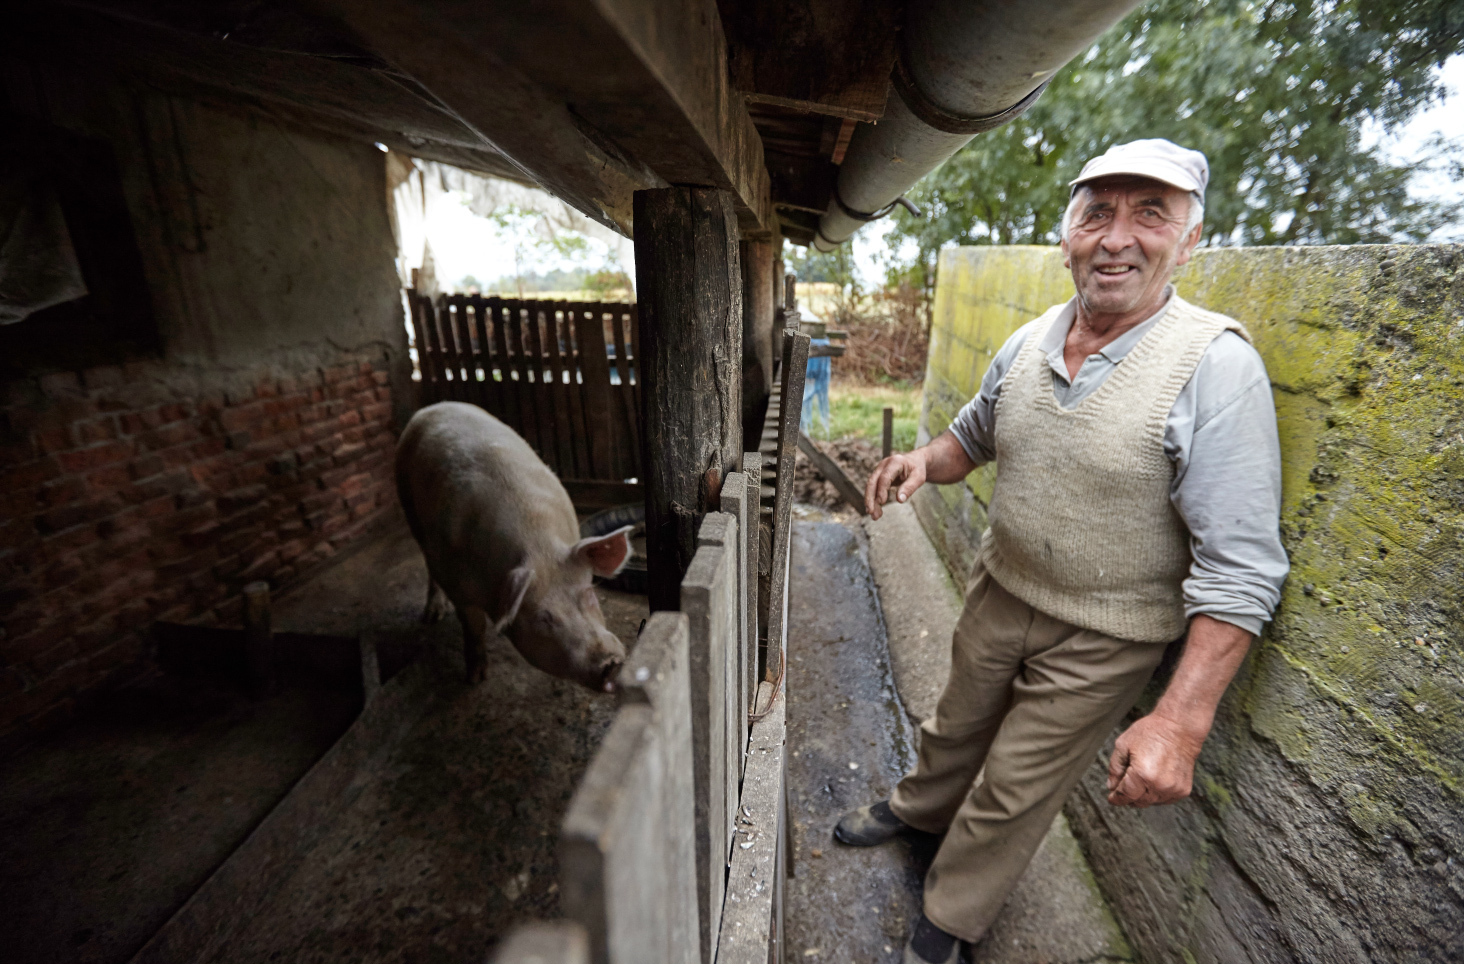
{"points": [[1154, 157]]}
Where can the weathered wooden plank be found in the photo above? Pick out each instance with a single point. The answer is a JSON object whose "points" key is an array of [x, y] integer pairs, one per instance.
{"points": [[658, 674], [637, 398], [575, 394], [830, 470], [795, 365], [690, 344], [543, 393], [719, 530], [446, 348], [752, 931], [427, 387], [492, 388], [558, 393], [545, 942], [737, 503], [431, 354], [626, 445], [595, 390], [515, 379], [751, 469], [707, 600], [612, 860], [460, 350]]}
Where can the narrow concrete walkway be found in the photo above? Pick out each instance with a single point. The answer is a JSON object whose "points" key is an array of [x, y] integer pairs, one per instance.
{"points": [[869, 639]]}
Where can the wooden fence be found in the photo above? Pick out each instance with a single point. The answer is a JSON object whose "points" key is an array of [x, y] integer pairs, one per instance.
{"points": [[563, 374], [675, 846]]}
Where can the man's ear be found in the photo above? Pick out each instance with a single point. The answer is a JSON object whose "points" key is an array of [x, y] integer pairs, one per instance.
{"points": [[515, 587], [606, 555], [1187, 248]]}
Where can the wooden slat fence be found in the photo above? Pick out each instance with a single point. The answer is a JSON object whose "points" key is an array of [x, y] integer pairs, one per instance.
{"points": [[659, 815], [675, 845], [563, 374]]}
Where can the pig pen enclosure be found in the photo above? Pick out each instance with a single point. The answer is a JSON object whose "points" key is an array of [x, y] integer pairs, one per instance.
{"points": [[407, 816]]}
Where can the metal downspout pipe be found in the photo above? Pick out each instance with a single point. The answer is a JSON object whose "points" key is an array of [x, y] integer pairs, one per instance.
{"points": [[963, 68]]}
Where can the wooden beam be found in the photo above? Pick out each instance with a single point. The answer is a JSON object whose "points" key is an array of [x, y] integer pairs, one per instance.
{"points": [[827, 56], [349, 96], [830, 470], [595, 99], [690, 291]]}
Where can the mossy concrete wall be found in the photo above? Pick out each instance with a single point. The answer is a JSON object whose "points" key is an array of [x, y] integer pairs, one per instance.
{"points": [[1327, 821]]}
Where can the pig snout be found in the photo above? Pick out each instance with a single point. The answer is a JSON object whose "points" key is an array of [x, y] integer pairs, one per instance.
{"points": [[564, 635], [606, 664]]}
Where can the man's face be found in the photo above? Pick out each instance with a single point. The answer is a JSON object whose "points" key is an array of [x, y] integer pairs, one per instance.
{"points": [[1126, 238]]}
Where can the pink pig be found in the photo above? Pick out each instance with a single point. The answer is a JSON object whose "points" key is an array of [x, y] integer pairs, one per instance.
{"points": [[502, 544]]}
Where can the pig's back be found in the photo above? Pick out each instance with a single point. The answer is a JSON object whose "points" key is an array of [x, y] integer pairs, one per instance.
{"points": [[475, 493]]}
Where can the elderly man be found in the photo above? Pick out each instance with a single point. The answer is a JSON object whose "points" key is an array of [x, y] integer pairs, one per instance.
{"points": [[1136, 501]]}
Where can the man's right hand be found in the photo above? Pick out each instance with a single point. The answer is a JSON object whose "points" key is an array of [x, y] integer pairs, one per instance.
{"points": [[903, 472]]}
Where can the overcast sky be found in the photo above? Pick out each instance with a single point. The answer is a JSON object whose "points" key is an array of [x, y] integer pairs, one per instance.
{"points": [[466, 244]]}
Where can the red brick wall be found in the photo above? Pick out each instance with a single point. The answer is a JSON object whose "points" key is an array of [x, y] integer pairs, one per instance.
{"points": [[128, 499]]}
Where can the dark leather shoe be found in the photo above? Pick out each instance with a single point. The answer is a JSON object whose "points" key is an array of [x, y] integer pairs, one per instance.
{"points": [[929, 944], [869, 825]]}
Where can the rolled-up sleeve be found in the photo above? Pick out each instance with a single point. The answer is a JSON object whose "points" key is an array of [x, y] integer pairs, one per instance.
{"points": [[975, 424], [1227, 488]]}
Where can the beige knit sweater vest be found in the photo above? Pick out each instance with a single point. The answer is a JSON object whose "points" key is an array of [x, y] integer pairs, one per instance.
{"points": [[1081, 526]]}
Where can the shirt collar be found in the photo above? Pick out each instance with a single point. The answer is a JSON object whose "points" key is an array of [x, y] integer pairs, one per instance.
{"points": [[1115, 351]]}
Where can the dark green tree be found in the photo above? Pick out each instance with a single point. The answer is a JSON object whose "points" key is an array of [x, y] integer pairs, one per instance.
{"points": [[1279, 96]]}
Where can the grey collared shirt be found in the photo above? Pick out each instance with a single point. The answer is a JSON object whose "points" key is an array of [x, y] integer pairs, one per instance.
{"points": [[1221, 437]]}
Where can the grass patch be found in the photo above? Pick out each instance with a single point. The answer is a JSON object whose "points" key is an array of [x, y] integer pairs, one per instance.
{"points": [[859, 410]]}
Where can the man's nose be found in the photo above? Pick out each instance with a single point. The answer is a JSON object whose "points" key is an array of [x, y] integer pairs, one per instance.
{"points": [[1120, 235]]}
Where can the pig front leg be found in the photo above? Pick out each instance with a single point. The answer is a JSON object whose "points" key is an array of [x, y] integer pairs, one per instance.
{"points": [[475, 643], [438, 605]]}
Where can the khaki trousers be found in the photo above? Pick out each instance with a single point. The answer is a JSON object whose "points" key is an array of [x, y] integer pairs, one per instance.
{"points": [[1031, 699]]}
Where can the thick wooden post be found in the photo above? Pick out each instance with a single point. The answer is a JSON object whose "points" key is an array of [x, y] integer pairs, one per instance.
{"points": [[689, 288], [774, 332], [757, 320]]}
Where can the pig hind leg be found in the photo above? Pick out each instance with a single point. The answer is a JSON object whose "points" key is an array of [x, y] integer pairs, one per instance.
{"points": [[438, 605], [476, 629]]}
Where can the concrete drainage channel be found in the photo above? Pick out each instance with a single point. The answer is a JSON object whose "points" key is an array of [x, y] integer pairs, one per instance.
{"points": [[872, 612]]}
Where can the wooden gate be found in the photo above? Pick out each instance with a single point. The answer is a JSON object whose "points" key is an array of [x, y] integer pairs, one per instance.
{"points": [[563, 374]]}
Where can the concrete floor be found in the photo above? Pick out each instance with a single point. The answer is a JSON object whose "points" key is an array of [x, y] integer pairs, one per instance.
{"points": [[872, 614], [435, 848], [107, 826], [450, 840]]}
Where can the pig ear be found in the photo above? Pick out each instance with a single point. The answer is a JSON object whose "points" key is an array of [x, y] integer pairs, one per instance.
{"points": [[517, 586], [606, 555]]}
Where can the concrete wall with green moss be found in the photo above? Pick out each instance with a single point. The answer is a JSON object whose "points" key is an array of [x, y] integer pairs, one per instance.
{"points": [[1327, 822]]}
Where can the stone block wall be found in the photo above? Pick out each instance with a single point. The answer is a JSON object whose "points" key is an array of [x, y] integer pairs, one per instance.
{"points": [[1327, 821]]}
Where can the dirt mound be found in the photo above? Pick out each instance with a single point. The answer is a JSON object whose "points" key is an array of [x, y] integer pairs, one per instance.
{"points": [[856, 456]]}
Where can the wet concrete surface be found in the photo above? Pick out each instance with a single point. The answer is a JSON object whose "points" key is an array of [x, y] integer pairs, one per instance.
{"points": [[869, 643], [920, 603], [107, 826], [850, 743], [452, 840]]}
